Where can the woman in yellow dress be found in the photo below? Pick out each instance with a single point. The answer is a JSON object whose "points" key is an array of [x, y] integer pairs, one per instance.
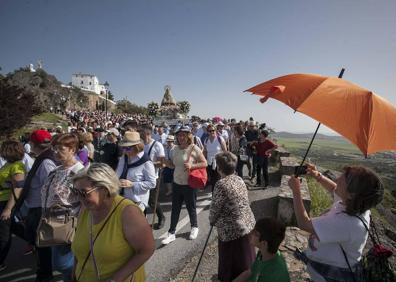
{"points": [[113, 238]]}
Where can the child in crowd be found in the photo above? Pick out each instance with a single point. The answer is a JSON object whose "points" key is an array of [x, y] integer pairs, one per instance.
{"points": [[269, 265]]}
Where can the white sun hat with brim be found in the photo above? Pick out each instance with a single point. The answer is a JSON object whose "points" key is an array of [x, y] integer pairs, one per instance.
{"points": [[113, 131], [170, 138], [131, 138]]}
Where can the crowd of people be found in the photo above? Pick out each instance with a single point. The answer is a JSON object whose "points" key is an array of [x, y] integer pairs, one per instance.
{"points": [[105, 172]]}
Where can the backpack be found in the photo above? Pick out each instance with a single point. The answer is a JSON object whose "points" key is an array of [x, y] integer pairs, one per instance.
{"points": [[374, 265], [47, 154]]}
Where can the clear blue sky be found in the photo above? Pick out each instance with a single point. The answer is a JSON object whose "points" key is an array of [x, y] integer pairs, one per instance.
{"points": [[209, 51]]}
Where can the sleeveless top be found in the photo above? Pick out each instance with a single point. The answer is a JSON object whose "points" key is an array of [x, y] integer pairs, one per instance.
{"points": [[111, 250]]}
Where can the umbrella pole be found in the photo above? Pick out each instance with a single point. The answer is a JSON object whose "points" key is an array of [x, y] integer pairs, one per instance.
{"points": [[313, 137]]}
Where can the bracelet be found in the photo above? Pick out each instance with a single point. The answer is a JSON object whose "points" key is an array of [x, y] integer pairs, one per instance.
{"points": [[319, 177]]}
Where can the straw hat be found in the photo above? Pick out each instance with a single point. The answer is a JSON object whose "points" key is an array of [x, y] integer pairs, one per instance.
{"points": [[130, 138], [170, 138]]}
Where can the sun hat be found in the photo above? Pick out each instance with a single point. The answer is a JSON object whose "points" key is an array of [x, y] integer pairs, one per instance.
{"points": [[170, 138], [40, 136], [220, 123], [130, 138], [183, 128], [113, 131]]}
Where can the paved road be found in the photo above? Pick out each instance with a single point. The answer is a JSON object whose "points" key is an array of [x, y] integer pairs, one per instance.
{"points": [[166, 262]]}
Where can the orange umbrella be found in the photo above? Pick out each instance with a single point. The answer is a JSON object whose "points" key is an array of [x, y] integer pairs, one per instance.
{"points": [[364, 118]]}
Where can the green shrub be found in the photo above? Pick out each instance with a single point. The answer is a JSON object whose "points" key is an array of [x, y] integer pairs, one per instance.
{"points": [[321, 200]]}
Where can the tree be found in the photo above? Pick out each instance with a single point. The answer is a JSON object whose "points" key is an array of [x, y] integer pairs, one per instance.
{"points": [[153, 108], [17, 106], [184, 107], [110, 96], [124, 106]]}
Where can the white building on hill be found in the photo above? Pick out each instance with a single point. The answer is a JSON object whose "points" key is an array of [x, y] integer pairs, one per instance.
{"points": [[88, 82]]}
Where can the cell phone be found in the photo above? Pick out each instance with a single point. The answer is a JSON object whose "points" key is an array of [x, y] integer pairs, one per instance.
{"points": [[300, 170]]}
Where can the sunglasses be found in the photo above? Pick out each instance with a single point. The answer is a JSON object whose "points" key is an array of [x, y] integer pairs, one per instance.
{"points": [[83, 194], [58, 148], [212, 130], [127, 149]]}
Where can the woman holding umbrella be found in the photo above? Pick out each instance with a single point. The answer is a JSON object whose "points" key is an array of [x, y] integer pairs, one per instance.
{"points": [[338, 236]]}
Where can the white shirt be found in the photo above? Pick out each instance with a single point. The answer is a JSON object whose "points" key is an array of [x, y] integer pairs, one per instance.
{"points": [[334, 228], [160, 138], [212, 148], [156, 152], [143, 178]]}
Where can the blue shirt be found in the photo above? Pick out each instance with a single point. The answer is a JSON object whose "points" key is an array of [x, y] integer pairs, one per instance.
{"points": [[33, 199], [143, 178]]}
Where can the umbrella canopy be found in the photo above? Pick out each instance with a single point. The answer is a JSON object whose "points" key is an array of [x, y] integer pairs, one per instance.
{"points": [[361, 116]]}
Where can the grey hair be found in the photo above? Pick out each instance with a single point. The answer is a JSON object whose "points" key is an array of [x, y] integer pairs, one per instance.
{"points": [[226, 162], [100, 175]]}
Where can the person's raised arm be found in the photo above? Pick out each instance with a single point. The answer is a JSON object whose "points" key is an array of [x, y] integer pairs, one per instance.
{"points": [[326, 182], [304, 222]]}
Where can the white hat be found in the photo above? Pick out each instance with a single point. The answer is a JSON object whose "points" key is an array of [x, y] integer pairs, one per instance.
{"points": [[113, 131], [170, 138]]}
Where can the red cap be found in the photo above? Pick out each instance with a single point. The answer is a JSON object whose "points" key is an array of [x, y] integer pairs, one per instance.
{"points": [[40, 136]]}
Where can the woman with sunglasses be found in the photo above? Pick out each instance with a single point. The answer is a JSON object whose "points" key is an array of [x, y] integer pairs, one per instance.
{"points": [[135, 170], [57, 192], [184, 156], [124, 241]]}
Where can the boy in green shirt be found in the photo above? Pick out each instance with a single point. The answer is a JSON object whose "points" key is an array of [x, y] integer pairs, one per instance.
{"points": [[269, 265]]}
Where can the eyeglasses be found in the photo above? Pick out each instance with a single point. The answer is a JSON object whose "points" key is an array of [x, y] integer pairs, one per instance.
{"points": [[58, 148], [83, 194], [127, 149]]}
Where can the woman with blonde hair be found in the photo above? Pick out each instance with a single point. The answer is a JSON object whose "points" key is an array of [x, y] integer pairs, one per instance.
{"points": [[113, 239], [184, 156]]}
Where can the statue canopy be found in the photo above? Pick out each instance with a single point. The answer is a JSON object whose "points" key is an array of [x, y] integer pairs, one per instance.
{"points": [[168, 99]]}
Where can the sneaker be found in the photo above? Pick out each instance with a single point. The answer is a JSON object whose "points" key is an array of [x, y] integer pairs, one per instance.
{"points": [[171, 237], [194, 233]]}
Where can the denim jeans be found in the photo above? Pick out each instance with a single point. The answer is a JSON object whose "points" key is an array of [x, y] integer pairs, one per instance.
{"points": [[262, 165], [63, 260], [189, 195]]}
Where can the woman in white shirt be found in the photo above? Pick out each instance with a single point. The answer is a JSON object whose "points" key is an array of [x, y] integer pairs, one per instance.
{"points": [[136, 171], [214, 144], [339, 235]]}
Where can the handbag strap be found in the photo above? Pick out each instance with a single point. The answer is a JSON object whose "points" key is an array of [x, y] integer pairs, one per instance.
{"points": [[189, 155], [347, 261], [96, 237]]}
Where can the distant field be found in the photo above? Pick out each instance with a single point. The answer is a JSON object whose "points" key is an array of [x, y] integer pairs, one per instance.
{"points": [[335, 153]]}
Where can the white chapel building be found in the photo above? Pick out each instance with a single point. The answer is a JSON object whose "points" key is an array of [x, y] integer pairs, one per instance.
{"points": [[88, 82]]}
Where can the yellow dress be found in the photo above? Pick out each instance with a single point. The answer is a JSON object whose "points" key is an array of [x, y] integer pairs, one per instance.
{"points": [[111, 250]]}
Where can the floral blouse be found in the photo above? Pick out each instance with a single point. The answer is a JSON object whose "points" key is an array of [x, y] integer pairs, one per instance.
{"points": [[230, 209], [57, 188]]}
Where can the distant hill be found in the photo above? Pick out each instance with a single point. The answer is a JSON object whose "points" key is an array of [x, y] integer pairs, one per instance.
{"points": [[284, 134], [24, 94]]}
